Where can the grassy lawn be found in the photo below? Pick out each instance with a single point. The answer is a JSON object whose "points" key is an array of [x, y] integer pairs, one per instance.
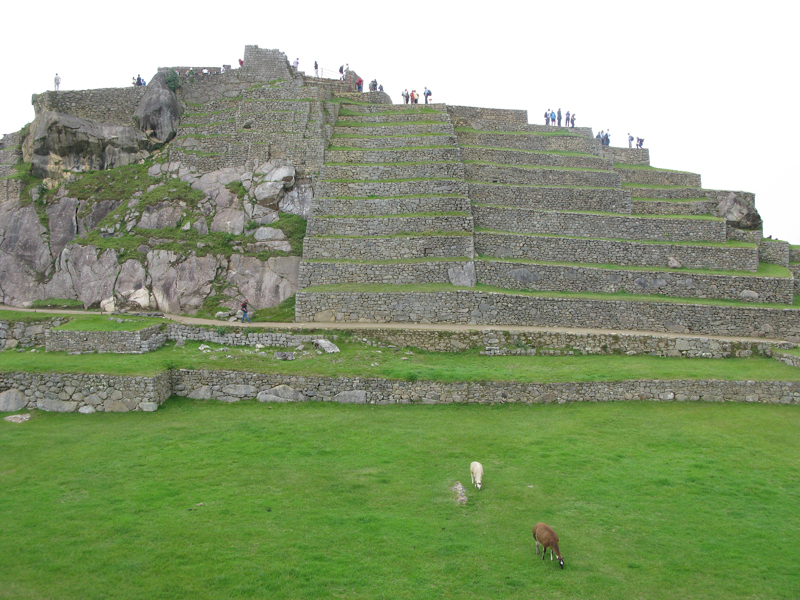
{"points": [[206, 500], [108, 323], [359, 360]]}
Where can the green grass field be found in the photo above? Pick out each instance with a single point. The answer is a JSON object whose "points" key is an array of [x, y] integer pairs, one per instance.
{"points": [[207, 500]]}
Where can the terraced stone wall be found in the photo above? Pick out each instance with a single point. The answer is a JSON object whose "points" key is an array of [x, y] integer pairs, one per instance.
{"points": [[115, 342], [535, 143], [627, 156], [396, 206], [550, 198], [520, 158], [659, 177], [775, 252], [105, 105], [556, 249], [386, 226], [88, 393], [464, 115], [665, 207], [482, 308], [188, 333], [328, 273], [395, 247], [535, 176], [526, 276], [26, 334], [604, 226]]}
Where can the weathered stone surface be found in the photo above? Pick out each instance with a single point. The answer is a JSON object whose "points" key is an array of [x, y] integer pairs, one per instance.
{"points": [[201, 393], [739, 213], [63, 224], [148, 406], [12, 400], [158, 110], [63, 142], [180, 285], [326, 346], [240, 391], [463, 275], [22, 236], [87, 410], [297, 200], [54, 405], [91, 271], [131, 284], [284, 355], [287, 393], [263, 234], [673, 263], [161, 216], [264, 283], [351, 397]]}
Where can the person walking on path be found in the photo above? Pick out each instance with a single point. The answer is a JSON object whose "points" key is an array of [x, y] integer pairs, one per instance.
{"points": [[244, 311], [559, 117], [57, 81]]}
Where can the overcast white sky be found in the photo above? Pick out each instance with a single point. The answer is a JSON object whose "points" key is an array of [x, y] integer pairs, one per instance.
{"points": [[711, 86]]}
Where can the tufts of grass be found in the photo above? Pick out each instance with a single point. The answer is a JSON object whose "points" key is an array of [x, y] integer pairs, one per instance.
{"points": [[58, 303], [283, 313], [106, 323]]}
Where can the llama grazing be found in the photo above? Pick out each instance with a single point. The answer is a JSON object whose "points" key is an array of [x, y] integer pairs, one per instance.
{"points": [[545, 536], [476, 471]]}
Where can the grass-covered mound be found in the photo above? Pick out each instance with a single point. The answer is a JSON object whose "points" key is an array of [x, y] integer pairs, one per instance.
{"points": [[209, 500]]}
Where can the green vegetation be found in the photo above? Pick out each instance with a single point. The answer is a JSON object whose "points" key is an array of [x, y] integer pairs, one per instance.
{"points": [[58, 303], [669, 200], [647, 186], [386, 124], [620, 215], [535, 167], [283, 313], [173, 80], [452, 213], [204, 499], [559, 133], [346, 112], [543, 152]]}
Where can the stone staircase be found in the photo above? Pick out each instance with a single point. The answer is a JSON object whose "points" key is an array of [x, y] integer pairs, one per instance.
{"points": [[562, 229], [391, 202]]}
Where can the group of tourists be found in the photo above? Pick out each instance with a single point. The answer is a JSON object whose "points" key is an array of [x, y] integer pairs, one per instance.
{"points": [[413, 97], [604, 137], [374, 86], [639, 142], [137, 81], [553, 118]]}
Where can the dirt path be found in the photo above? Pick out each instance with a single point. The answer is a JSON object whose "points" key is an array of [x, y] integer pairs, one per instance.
{"points": [[416, 326]]}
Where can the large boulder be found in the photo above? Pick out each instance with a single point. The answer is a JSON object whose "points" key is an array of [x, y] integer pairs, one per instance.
{"points": [[62, 142], [264, 283], [92, 271], [180, 284], [63, 223], [158, 110], [738, 212]]}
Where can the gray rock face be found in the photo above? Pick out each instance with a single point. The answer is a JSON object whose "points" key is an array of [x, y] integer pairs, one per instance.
{"points": [[201, 393], [163, 215], [351, 397], [92, 273], [180, 285], [158, 110], [131, 284], [12, 400], [749, 295], [284, 355], [326, 346], [263, 234], [462, 275], [63, 142], [22, 236], [286, 393], [53, 405], [264, 283], [63, 224], [297, 200], [739, 212], [674, 263]]}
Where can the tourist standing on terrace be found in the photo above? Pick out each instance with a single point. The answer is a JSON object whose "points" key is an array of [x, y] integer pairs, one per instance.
{"points": [[296, 64], [566, 120], [630, 141], [316, 69], [57, 81], [244, 311], [405, 96], [427, 93], [559, 117], [572, 120]]}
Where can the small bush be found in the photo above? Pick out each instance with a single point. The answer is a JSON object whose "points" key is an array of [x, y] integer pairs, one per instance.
{"points": [[172, 80]]}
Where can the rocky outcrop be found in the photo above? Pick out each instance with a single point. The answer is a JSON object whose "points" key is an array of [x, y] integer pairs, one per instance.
{"points": [[739, 213], [158, 113], [61, 142], [264, 283]]}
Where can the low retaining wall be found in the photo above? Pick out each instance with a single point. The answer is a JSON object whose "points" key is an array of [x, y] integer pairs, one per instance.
{"points": [[537, 143], [657, 177], [540, 176], [87, 393], [116, 342], [383, 189], [483, 308], [397, 247], [425, 170], [232, 386], [626, 156], [330, 273], [192, 333], [342, 226], [774, 251], [519, 158], [26, 334], [665, 207], [395, 206]]}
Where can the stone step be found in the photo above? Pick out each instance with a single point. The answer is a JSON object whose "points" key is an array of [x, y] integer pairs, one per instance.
{"points": [[547, 248], [551, 198], [651, 176], [629, 227], [389, 206], [400, 273], [387, 143], [678, 283], [528, 141], [392, 225], [395, 247], [794, 254], [493, 173], [382, 189], [795, 269], [423, 153], [492, 308], [393, 108], [395, 130], [379, 172], [521, 158], [647, 206]]}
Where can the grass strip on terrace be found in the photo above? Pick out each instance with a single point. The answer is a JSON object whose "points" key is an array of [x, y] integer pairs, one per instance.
{"points": [[394, 180], [607, 214], [559, 133], [727, 244], [394, 163], [452, 213], [399, 149], [358, 360], [391, 261], [636, 199], [764, 269], [534, 167], [541, 187], [400, 197], [544, 152], [480, 287], [648, 186], [109, 323], [346, 112]]}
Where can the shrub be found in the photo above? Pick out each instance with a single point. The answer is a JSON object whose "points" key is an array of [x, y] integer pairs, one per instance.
{"points": [[172, 80]]}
